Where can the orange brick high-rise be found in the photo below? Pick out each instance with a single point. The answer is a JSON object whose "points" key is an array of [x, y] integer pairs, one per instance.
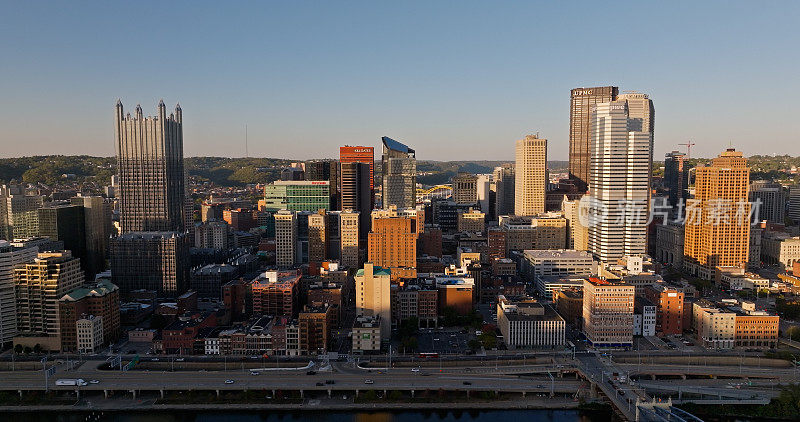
{"points": [[711, 239]]}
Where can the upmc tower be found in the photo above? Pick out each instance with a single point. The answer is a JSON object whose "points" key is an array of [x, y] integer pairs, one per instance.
{"points": [[581, 102], [366, 155]]}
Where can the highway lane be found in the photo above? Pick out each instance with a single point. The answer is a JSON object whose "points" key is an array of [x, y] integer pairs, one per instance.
{"points": [[243, 380]]}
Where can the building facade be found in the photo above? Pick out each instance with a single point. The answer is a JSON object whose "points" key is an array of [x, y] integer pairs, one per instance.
{"points": [[399, 168]]}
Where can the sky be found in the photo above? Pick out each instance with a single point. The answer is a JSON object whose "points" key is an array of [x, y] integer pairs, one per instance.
{"points": [[456, 80]]}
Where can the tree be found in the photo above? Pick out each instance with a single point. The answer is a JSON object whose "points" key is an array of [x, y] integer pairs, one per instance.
{"points": [[474, 345], [37, 348], [18, 349], [28, 349]]}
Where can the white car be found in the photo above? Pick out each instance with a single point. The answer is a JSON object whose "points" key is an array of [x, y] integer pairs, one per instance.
{"points": [[229, 381], [94, 382], [254, 373], [369, 382], [414, 369]]}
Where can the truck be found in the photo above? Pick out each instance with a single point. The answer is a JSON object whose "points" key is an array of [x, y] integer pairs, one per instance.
{"points": [[72, 382]]}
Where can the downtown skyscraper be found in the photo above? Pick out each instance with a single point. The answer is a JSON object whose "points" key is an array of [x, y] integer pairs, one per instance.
{"points": [[150, 170], [531, 176], [581, 102], [153, 252], [399, 174], [619, 182]]}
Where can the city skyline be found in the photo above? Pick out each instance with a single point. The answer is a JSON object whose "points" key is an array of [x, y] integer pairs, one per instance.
{"points": [[302, 94]]}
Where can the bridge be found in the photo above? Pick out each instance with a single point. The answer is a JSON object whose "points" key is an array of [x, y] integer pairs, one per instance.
{"points": [[435, 192]]}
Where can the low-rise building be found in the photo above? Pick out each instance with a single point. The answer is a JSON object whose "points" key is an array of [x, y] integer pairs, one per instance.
{"points": [[529, 324], [569, 304], [608, 312], [455, 292], [89, 331], [367, 334]]}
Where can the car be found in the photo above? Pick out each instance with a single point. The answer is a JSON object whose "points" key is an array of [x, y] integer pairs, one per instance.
{"points": [[369, 382], [180, 359], [229, 381], [155, 359], [254, 373], [415, 369], [319, 384], [311, 373], [330, 382], [467, 383], [94, 382], [621, 392]]}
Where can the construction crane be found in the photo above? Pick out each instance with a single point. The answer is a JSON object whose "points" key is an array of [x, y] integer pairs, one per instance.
{"points": [[688, 146]]}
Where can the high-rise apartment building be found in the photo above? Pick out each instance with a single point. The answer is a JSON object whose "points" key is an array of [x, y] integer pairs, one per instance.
{"points": [[399, 174], [317, 237], [608, 313], [373, 295], [356, 193], [531, 176], [676, 177], [717, 229], [300, 195], [772, 198], [581, 102], [285, 239], [152, 191], [38, 287], [505, 190], [151, 260], [465, 188], [10, 258], [619, 182], [348, 234], [392, 242]]}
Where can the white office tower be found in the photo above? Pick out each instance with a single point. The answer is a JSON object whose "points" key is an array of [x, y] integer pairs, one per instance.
{"points": [[10, 257], [619, 182]]}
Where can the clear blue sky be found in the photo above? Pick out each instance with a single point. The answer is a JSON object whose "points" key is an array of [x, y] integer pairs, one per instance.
{"points": [[453, 79]]}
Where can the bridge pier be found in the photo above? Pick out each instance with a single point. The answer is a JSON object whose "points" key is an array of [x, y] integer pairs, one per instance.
{"points": [[329, 393], [162, 393], [217, 393], [77, 394], [356, 393], [302, 394], [273, 393], [134, 393], [20, 393], [467, 394], [523, 394], [105, 393], [683, 377], [384, 395], [412, 394]]}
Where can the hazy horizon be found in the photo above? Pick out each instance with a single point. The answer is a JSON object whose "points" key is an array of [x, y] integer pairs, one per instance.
{"points": [[455, 81]]}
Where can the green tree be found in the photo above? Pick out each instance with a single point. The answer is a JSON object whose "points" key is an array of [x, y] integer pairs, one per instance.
{"points": [[37, 348], [18, 349]]}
